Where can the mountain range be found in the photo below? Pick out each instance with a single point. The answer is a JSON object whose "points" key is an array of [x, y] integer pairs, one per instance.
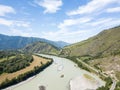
{"points": [[17, 42]]}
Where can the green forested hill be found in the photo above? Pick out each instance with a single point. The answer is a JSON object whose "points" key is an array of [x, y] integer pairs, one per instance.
{"points": [[105, 43], [41, 47]]}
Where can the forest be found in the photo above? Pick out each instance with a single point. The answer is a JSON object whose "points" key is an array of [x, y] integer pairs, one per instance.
{"points": [[13, 61]]}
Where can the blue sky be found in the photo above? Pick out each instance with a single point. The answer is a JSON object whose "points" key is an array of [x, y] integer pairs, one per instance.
{"points": [[58, 20]]}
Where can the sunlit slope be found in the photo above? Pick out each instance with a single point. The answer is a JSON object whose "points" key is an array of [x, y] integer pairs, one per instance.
{"points": [[41, 47], [105, 43]]}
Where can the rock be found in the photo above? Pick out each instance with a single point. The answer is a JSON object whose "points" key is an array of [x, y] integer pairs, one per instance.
{"points": [[62, 76], [42, 88]]}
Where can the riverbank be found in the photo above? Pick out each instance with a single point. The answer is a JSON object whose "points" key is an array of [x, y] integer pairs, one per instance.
{"points": [[39, 64], [109, 82], [83, 83]]}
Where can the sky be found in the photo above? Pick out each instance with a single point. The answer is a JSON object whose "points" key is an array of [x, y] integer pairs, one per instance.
{"points": [[58, 20]]}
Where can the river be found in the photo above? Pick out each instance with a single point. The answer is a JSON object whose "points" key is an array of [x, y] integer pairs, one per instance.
{"points": [[57, 77]]}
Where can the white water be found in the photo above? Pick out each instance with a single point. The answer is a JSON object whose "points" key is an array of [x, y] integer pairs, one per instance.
{"points": [[56, 77]]}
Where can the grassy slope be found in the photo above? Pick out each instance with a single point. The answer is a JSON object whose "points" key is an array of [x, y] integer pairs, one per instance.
{"points": [[104, 43], [41, 47], [109, 65]]}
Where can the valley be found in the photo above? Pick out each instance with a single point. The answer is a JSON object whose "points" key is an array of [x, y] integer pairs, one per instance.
{"points": [[54, 78], [95, 61], [59, 44]]}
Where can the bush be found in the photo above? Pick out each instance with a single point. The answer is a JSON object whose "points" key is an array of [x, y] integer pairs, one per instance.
{"points": [[117, 86], [78, 63], [19, 61], [107, 85]]}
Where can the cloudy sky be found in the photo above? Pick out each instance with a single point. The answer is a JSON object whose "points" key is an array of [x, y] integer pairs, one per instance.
{"points": [[66, 20]]}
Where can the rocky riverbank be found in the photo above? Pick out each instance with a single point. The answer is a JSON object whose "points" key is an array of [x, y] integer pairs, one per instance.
{"points": [[84, 83]]}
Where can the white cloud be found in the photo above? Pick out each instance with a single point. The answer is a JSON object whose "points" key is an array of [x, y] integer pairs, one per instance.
{"points": [[21, 24], [103, 23], [22, 32], [19, 32], [14, 23], [71, 22], [66, 35], [100, 21], [115, 9], [90, 20], [5, 22], [51, 6], [92, 7], [5, 10], [83, 32], [81, 23]]}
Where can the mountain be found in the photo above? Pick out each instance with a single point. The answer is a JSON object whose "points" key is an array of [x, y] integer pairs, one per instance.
{"points": [[41, 47], [105, 43], [101, 52], [15, 42], [61, 44]]}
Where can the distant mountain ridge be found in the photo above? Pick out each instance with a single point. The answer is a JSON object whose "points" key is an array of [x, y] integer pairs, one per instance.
{"points": [[105, 43], [16, 42]]}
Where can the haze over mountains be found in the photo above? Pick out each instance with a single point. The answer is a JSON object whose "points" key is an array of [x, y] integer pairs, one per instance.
{"points": [[16, 42]]}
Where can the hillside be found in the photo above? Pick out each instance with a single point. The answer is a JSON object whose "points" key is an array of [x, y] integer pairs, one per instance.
{"points": [[101, 52], [41, 47], [104, 44], [15, 42]]}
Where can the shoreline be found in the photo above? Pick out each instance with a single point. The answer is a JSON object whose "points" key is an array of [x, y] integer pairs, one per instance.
{"points": [[20, 84], [28, 76]]}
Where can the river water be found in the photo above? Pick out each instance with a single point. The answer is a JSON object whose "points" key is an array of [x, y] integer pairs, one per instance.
{"points": [[57, 77]]}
